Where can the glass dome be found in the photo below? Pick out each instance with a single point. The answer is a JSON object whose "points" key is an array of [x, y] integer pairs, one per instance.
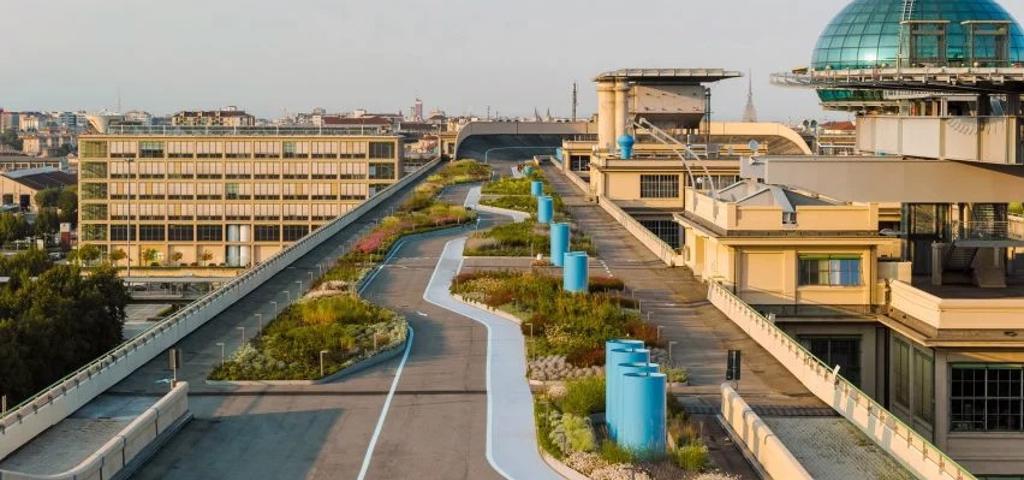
{"points": [[866, 34]]}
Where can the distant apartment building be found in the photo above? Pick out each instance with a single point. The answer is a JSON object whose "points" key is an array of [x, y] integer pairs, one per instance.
{"points": [[188, 197], [229, 117], [48, 142]]}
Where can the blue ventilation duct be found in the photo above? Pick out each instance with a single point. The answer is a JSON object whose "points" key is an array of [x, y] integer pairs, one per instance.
{"points": [[545, 209], [626, 147], [613, 379], [560, 236], [642, 414], [575, 272], [536, 188]]}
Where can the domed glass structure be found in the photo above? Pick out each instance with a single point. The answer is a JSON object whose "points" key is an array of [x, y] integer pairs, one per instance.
{"points": [[866, 34]]}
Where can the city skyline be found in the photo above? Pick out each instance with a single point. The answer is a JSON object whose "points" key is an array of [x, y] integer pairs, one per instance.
{"points": [[234, 53]]}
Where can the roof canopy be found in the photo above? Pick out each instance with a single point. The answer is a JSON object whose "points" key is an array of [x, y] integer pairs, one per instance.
{"points": [[669, 75]]}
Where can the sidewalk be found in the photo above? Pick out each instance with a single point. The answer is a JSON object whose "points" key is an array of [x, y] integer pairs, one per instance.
{"points": [[511, 435]]}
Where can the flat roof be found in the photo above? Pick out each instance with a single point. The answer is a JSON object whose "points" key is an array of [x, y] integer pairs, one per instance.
{"points": [[42, 178], [223, 131], [669, 75], [929, 79]]}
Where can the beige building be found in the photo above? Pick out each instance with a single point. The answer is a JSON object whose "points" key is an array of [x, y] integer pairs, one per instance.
{"points": [[213, 118], [18, 188], [231, 199]]}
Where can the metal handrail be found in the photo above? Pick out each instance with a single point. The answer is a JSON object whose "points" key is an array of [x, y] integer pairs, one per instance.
{"points": [[71, 380], [941, 459]]}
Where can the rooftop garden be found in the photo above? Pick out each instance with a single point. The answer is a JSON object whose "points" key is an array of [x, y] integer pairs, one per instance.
{"points": [[345, 326]]}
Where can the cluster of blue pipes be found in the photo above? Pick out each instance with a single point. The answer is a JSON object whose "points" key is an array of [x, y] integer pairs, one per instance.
{"points": [[635, 408], [575, 265]]}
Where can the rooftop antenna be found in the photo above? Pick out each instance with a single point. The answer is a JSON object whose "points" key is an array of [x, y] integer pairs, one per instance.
{"points": [[119, 99]]}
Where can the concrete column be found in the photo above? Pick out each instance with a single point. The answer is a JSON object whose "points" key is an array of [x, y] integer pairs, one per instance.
{"points": [[940, 431], [606, 115], [621, 108]]}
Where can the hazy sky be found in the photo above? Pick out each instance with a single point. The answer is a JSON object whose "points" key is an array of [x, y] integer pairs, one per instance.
{"points": [[459, 55]]}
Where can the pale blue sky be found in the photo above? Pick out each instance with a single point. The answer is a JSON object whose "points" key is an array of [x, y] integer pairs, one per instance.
{"points": [[460, 55]]}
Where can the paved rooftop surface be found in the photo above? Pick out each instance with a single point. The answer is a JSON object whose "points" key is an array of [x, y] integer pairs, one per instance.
{"points": [[138, 317], [830, 448], [66, 444]]}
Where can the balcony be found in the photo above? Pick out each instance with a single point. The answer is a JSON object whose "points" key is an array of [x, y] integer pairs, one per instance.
{"points": [[995, 140], [953, 307]]}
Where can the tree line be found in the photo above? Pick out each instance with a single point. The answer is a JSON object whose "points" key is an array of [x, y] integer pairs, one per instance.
{"points": [[53, 320]]}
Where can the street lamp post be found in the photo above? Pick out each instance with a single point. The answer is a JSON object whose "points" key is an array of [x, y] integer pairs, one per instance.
{"points": [[242, 329], [259, 319], [322, 353], [221, 345], [659, 328], [530, 324], [128, 257], [298, 292], [287, 296], [274, 302], [670, 347]]}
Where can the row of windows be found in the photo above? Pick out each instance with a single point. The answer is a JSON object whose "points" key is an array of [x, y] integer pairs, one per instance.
{"points": [[192, 233], [237, 149], [987, 398], [666, 230], [659, 186], [332, 170]]}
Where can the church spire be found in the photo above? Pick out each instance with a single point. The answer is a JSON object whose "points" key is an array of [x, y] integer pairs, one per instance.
{"points": [[750, 113]]}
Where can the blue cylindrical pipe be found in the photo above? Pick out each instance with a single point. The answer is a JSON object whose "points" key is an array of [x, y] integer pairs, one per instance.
{"points": [[575, 272], [545, 209], [611, 371], [536, 188], [643, 410], [620, 370], [626, 147], [560, 235], [613, 381]]}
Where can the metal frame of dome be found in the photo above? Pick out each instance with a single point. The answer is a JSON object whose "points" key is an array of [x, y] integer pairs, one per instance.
{"points": [[872, 33]]}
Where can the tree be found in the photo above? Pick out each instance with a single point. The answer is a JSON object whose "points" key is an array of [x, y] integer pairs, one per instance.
{"points": [[150, 256], [87, 254], [12, 227], [176, 257], [11, 139], [47, 222], [67, 205], [206, 256], [118, 255]]}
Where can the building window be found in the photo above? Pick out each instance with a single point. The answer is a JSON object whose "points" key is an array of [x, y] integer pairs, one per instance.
{"points": [[666, 230], [987, 398], [924, 386], [842, 351], [579, 163], [119, 233], [210, 233], [901, 373], [94, 232], [295, 232], [382, 171], [180, 233], [659, 186], [381, 150], [830, 270], [152, 233], [151, 149], [267, 233]]}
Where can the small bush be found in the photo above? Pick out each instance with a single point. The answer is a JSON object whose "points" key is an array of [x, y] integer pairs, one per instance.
{"points": [[605, 284], [676, 374], [583, 397], [579, 434], [612, 453], [692, 457]]}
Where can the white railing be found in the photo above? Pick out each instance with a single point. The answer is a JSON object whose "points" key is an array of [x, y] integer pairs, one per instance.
{"points": [[656, 245], [34, 415], [912, 450], [108, 461]]}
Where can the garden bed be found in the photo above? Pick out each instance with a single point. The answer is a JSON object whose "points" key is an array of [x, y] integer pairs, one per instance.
{"points": [[523, 239], [349, 328]]}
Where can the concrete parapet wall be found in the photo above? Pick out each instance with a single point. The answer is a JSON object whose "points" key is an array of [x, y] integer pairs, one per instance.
{"points": [[912, 450], [656, 245], [49, 407], [111, 460], [766, 448]]}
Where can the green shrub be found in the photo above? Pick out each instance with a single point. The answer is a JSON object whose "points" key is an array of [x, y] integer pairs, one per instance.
{"points": [[692, 457], [584, 396], [522, 203], [612, 453], [579, 434], [676, 374], [542, 417]]}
